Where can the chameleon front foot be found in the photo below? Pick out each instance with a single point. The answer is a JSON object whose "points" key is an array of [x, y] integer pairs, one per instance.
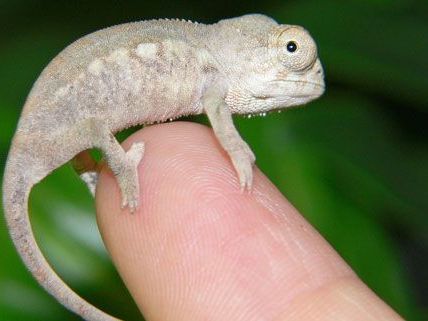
{"points": [[243, 160]]}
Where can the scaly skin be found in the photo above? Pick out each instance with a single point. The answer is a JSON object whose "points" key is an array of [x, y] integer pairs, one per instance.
{"points": [[141, 73]]}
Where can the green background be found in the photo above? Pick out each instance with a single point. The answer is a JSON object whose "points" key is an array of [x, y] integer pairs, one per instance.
{"points": [[355, 162]]}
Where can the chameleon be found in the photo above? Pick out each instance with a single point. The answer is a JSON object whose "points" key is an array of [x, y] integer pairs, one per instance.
{"points": [[142, 73]]}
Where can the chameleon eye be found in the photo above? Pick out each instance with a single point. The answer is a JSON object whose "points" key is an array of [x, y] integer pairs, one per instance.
{"points": [[291, 46], [295, 47]]}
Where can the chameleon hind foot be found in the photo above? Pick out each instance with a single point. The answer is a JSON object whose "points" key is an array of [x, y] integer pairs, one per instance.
{"points": [[127, 178]]}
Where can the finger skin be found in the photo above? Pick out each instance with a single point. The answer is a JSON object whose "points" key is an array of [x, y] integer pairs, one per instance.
{"points": [[199, 249]]}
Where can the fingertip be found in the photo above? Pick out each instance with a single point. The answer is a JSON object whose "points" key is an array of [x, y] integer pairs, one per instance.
{"points": [[198, 248]]}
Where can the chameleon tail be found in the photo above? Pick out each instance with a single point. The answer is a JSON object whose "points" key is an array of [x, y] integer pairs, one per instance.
{"points": [[16, 189]]}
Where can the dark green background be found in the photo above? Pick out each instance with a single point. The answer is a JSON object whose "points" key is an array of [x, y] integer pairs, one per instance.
{"points": [[355, 162]]}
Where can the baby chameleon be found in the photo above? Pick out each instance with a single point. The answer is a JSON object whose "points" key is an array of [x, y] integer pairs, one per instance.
{"points": [[141, 73]]}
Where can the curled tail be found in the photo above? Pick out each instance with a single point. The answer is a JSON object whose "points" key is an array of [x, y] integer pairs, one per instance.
{"points": [[17, 185]]}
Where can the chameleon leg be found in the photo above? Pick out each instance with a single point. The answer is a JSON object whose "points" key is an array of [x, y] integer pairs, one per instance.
{"points": [[124, 167], [239, 152], [87, 168], [123, 164]]}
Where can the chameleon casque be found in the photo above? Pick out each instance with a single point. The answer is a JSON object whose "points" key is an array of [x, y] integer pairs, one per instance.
{"points": [[142, 73]]}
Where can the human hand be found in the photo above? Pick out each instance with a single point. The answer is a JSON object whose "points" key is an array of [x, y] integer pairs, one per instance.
{"points": [[199, 249]]}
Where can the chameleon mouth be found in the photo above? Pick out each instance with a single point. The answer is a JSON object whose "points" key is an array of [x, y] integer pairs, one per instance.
{"points": [[320, 85], [315, 89], [303, 88]]}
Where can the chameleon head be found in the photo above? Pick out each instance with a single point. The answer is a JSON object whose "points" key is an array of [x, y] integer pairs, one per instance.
{"points": [[290, 73]]}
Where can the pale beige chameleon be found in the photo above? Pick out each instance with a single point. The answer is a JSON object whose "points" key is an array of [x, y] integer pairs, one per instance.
{"points": [[141, 73]]}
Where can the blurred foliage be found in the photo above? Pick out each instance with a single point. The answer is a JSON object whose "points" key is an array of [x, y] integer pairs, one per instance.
{"points": [[355, 162]]}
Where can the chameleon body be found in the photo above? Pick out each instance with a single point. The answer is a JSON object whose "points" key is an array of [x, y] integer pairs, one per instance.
{"points": [[141, 73]]}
